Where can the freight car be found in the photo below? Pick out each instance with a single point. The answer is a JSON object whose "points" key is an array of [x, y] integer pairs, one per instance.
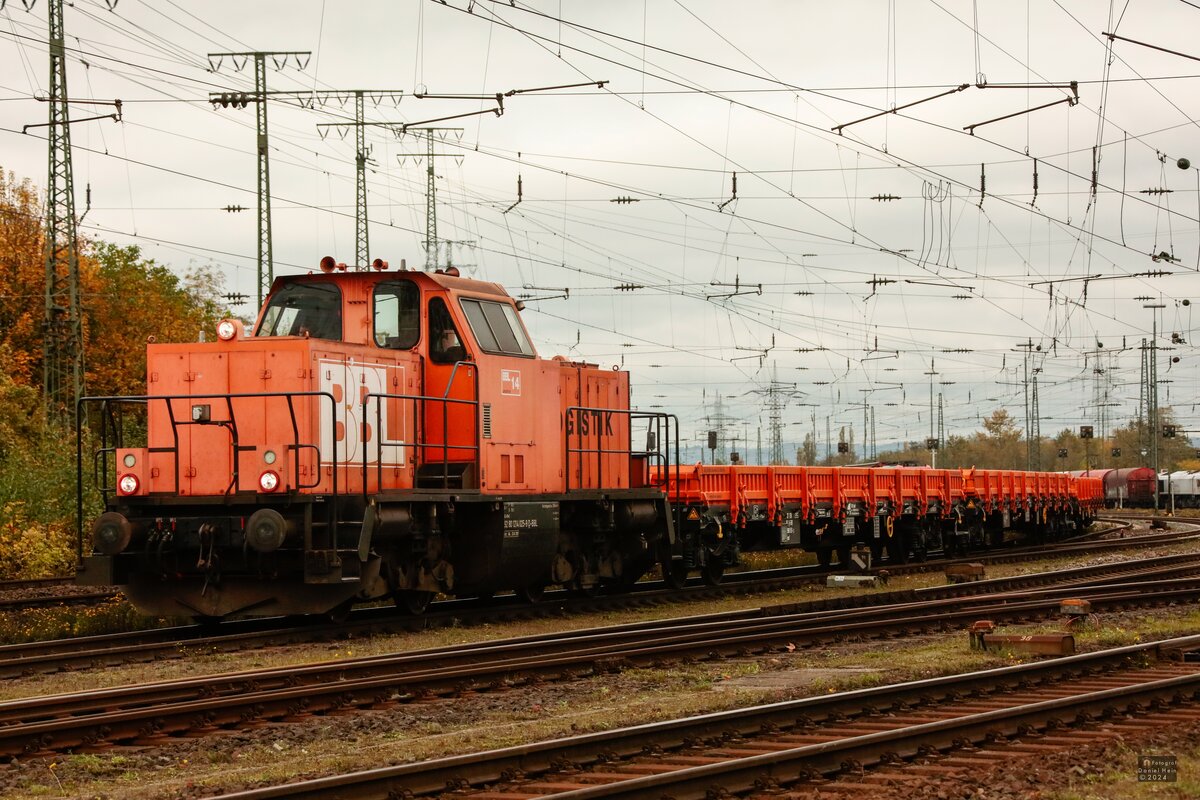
{"points": [[1128, 487], [394, 434], [898, 511]]}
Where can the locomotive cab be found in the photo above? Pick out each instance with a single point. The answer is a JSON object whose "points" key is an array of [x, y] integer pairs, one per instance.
{"points": [[379, 434]]}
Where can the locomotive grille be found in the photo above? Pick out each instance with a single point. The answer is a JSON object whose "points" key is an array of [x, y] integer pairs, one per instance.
{"points": [[487, 420]]}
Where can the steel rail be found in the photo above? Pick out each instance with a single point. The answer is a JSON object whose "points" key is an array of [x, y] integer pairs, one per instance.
{"points": [[476, 769], [85, 652], [745, 773], [126, 714]]}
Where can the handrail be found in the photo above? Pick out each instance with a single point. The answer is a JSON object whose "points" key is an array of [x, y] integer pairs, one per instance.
{"points": [[109, 403], [446, 418], [658, 422], [661, 424], [416, 445]]}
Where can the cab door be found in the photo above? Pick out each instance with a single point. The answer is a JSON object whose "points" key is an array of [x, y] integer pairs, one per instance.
{"points": [[450, 457]]}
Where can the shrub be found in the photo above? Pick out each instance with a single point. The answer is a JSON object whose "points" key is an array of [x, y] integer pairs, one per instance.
{"points": [[33, 549]]}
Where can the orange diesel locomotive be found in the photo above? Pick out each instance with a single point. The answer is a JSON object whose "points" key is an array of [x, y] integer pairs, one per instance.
{"points": [[395, 434], [378, 434]]}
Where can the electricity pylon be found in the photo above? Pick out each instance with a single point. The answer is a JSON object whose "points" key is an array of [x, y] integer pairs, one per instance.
{"points": [[266, 264], [62, 325]]}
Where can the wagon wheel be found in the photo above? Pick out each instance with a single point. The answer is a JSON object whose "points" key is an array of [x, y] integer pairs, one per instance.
{"points": [[897, 548], [712, 572], [843, 552], [824, 557], [414, 602], [920, 545], [675, 573]]}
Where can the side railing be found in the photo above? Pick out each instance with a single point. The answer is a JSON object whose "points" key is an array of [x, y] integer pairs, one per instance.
{"points": [[419, 405], [110, 412], [662, 449]]}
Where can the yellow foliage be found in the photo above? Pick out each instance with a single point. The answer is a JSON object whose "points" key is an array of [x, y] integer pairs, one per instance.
{"points": [[30, 549]]}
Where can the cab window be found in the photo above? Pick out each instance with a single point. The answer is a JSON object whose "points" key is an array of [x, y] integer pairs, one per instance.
{"points": [[304, 309], [496, 327], [445, 345], [397, 315]]}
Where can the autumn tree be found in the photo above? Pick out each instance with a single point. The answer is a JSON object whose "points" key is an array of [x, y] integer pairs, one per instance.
{"points": [[125, 300], [22, 264], [806, 454], [132, 300]]}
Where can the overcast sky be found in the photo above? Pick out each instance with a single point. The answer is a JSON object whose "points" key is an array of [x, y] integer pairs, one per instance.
{"points": [[845, 264]]}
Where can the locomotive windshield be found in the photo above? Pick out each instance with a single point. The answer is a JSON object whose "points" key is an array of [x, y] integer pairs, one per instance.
{"points": [[496, 327], [304, 309]]}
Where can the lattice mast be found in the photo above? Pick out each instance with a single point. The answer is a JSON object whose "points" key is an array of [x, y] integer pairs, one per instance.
{"points": [[266, 260], [431, 246], [62, 348]]}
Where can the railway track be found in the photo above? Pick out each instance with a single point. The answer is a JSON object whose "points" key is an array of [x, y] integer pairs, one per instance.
{"points": [[19, 660], [866, 741], [18, 595], [80, 597], [153, 713]]}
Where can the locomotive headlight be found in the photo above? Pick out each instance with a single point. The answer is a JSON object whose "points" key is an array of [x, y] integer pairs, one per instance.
{"points": [[128, 484], [269, 457], [268, 481], [129, 460], [228, 329]]}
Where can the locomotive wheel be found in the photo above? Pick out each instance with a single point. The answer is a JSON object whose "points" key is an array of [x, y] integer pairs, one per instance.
{"points": [[533, 593], [675, 574], [712, 572], [340, 613], [579, 590], [414, 602]]}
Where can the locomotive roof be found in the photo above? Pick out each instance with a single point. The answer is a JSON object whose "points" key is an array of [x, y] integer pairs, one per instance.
{"points": [[440, 279]]}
